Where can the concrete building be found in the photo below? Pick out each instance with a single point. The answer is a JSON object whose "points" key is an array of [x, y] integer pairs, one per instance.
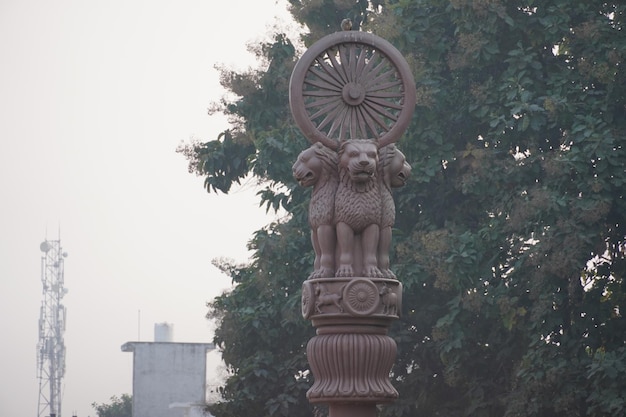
{"points": [[169, 379]]}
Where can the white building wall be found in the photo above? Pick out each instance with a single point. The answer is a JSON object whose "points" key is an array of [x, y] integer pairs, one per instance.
{"points": [[166, 375]]}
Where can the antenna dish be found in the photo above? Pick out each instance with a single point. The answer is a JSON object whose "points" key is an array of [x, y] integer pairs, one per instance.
{"points": [[45, 246]]}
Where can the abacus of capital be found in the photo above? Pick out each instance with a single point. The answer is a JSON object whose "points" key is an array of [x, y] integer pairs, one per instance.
{"points": [[352, 94]]}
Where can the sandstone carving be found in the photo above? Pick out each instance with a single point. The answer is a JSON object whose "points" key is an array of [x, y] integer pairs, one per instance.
{"points": [[324, 297], [358, 208], [389, 300], [317, 167], [350, 297], [362, 297], [351, 212], [393, 172], [352, 95]]}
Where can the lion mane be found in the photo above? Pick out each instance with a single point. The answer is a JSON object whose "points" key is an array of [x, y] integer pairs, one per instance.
{"points": [[358, 209], [316, 166], [393, 171]]}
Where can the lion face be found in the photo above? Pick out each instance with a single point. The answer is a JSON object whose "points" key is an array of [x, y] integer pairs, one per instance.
{"points": [[360, 158], [400, 169], [307, 168]]}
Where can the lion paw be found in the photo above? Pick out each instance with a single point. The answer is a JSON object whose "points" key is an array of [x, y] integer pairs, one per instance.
{"points": [[344, 271], [372, 272], [322, 273], [388, 273]]}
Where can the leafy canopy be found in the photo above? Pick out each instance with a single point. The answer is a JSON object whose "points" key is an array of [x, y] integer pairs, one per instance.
{"points": [[118, 407], [510, 234]]}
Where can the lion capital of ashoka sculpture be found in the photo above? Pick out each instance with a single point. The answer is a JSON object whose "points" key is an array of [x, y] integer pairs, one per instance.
{"points": [[352, 94], [351, 212]]}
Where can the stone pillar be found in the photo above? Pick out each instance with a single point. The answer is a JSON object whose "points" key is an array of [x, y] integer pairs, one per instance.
{"points": [[351, 355], [352, 95]]}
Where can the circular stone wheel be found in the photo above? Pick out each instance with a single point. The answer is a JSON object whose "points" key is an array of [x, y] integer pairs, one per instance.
{"points": [[308, 300], [352, 85], [360, 297]]}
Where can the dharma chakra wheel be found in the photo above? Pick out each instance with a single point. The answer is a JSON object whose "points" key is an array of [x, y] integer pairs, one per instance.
{"points": [[361, 297], [352, 85]]}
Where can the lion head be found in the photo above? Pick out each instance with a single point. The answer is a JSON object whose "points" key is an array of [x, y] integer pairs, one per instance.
{"points": [[313, 163], [393, 166], [359, 159]]}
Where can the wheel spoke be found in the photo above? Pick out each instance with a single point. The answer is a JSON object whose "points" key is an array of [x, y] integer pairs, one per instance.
{"points": [[323, 74], [344, 62], [362, 124], [321, 102], [368, 121], [385, 103], [380, 74], [375, 117], [331, 116], [332, 72], [377, 67], [337, 67], [338, 122], [319, 93], [353, 123], [366, 73], [345, 122], [381, 111], [322, 85], [328, 108], [353, 62], [360, 65]]}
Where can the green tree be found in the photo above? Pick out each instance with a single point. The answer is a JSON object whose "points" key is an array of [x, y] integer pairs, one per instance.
{"points": [[510, 235], [118, 407]]}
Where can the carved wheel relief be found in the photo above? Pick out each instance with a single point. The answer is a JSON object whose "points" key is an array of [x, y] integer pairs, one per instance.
{"points": [[355, 297], [352, 85], [361, 297], [308, 302]]}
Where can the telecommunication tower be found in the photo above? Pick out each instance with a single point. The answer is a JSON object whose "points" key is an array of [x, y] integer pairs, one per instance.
{"points": [[50, 348]]}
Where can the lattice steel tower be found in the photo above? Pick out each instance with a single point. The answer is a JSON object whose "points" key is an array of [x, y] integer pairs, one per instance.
{"points": [[50, 348]]}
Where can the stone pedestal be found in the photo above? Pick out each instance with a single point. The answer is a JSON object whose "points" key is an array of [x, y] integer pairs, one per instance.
{"points": [[351, 356]]}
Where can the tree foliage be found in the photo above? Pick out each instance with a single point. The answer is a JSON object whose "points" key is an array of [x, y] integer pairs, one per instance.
{"points": [[118, 407], [509, 236]]}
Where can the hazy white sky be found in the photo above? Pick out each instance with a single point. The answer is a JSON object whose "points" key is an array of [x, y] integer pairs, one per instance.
{"points": [[94, 98]]}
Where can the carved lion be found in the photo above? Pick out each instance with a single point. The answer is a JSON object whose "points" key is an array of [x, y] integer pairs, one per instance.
{"points": [[317, 167], [393, 172], [358, 209]]}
